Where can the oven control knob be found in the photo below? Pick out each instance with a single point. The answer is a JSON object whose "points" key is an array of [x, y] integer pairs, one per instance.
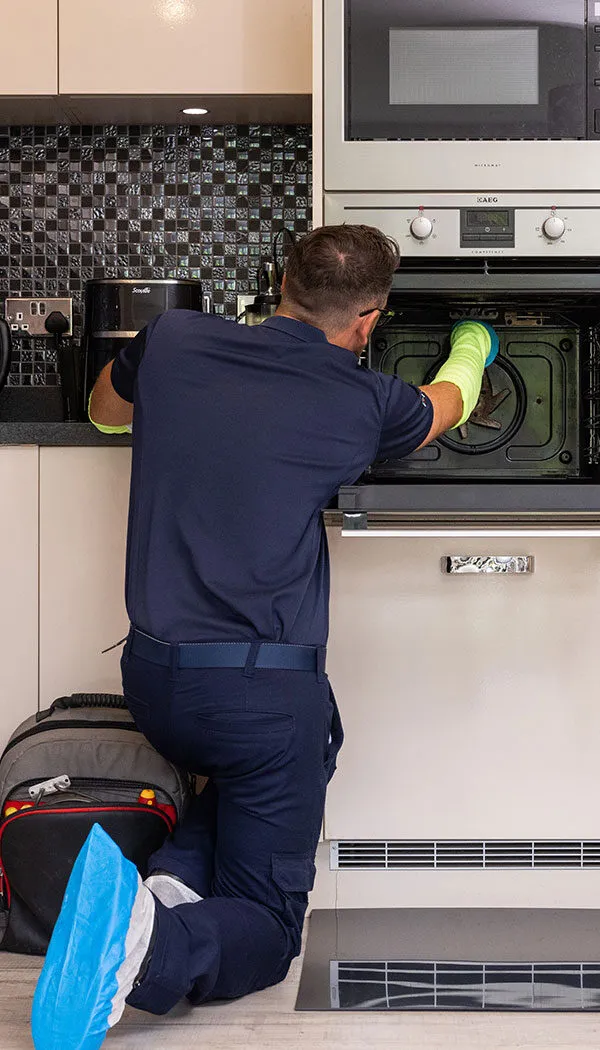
{"points": [[421, 228], [553, 228]]}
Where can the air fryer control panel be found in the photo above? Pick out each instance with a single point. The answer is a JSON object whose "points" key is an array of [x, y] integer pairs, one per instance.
{"points": [[453, 225]]}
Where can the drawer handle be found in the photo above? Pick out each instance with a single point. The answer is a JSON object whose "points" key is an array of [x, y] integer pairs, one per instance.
{"points": [[499, 564]]}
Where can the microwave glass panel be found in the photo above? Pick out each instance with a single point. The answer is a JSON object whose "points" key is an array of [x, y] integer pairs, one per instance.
{"points": [[466, 67]]}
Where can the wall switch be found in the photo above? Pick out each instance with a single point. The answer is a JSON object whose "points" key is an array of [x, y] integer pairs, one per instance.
{"points": [[28, 316]]}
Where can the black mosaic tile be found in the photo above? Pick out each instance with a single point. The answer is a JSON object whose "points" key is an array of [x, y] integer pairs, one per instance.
{"points": [[82, 202]]}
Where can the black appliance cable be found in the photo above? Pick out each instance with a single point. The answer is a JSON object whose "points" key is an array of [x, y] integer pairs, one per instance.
{"points": [[57, 325]]}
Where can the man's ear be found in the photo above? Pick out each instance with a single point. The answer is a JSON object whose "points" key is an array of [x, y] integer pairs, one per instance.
{"points": [[283, 283], [366, 326]]}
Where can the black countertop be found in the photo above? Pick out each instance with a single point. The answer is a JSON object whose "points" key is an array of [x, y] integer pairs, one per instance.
{"points": [[66, 434], [34, 416]]}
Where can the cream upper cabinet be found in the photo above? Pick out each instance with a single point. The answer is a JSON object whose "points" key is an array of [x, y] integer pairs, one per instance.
{"points": [[84, 495], [212, 47], [19, 587], [29, 47]]}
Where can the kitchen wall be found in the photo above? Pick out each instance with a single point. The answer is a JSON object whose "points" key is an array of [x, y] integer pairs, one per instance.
{"points": [[204, 202]]}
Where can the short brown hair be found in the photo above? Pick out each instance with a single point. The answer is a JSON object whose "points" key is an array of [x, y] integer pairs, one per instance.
{"points": [[336, 271]]}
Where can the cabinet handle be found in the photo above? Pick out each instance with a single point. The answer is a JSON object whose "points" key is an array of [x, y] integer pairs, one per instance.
{"points": [[500, 564]]}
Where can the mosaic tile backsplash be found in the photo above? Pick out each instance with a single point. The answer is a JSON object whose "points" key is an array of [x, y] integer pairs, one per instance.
{"points": [[78, 202]]}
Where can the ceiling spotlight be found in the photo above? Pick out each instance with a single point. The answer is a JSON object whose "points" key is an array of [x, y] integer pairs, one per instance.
{"points": [[194, 111]]}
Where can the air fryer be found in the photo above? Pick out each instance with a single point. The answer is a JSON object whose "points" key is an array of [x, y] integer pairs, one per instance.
{"points": [[116, 310]]}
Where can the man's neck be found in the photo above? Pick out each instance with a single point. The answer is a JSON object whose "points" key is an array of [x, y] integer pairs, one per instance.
{"points": [[283, 311]]}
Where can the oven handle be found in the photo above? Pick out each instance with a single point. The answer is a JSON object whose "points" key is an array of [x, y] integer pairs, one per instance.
{"points": [[358, 526], [458, 533]]}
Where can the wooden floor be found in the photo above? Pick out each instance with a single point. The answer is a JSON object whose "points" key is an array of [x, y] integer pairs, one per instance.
{"points": [[267, 1022]]}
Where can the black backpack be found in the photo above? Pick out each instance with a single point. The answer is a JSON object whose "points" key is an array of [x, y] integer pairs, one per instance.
{"points": [[81, 762]]}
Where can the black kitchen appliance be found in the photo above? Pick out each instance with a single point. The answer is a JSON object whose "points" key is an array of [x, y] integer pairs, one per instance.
{"points": [[531, 448], [116, 310], [5, 351]]}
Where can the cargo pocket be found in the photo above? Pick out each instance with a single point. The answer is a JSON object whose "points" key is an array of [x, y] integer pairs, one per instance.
{"points": [[293, 873], [292, 878]]}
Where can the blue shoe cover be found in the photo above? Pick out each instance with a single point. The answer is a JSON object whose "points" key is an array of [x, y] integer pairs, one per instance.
{"points": [[73, 998]]}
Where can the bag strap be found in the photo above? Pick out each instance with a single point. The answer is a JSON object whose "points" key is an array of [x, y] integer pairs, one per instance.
{"points": [[77, 700]]}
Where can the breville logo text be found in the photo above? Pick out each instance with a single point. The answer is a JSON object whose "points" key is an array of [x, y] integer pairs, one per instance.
{"points": [[141, 291], [487, 200]]}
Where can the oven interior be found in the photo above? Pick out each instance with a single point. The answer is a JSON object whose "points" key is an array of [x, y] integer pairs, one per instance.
{"points": [[538, 416]]}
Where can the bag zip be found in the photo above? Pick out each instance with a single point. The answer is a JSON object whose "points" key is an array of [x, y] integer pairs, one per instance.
{"points": [[162, 796], [72, 724], [102, 784], [4, 883]]}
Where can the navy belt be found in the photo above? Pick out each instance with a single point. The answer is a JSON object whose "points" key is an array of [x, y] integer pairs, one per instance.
{"points": [[269, 655]]}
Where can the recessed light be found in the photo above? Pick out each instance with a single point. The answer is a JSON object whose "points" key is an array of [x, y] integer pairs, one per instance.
{"points": [[194, 111]]}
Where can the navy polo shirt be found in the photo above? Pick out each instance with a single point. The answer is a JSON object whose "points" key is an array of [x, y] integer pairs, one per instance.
{"points": [[241, 436]]}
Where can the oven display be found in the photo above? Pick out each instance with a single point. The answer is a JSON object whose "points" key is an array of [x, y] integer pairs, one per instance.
{"points": [[493, 219], [487, 228]]}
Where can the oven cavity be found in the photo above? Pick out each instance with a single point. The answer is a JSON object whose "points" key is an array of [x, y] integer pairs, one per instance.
{"points": [[538, 414]]}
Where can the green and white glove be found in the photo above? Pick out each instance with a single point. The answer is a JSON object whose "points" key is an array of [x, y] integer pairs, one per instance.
{"points": [[474, 347]]}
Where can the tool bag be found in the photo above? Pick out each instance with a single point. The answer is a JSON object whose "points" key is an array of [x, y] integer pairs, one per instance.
{"points": [[81, 762]]}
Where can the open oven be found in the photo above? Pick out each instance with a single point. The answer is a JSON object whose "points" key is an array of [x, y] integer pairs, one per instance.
{"points": [[531, 448]]}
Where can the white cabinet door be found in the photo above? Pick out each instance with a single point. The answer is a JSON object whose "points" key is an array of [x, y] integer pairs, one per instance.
{"points": [[29, 47], [83, 517], [234, 47], [19, 587], [470, 703]]}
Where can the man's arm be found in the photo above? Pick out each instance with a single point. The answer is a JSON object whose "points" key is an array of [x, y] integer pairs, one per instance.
{"points": [[415, 416], [447, 403], [110, 407], [455, 390], [106, 408]]}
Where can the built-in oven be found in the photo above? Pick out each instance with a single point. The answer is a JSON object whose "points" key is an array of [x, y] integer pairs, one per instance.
{"points": [[530, 451], [501, 94]]}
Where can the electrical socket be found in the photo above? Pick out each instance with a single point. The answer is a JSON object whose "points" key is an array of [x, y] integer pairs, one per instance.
{"points": [[28, 316], [242, 302]]}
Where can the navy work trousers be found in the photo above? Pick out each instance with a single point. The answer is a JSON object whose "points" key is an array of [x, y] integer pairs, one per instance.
{"points": [[267, 740]]}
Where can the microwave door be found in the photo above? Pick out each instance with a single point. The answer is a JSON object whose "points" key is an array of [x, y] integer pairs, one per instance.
{"points": [[506, 69]]}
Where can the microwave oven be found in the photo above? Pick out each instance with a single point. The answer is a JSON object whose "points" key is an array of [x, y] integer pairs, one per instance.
{"points": [[461, 95]]}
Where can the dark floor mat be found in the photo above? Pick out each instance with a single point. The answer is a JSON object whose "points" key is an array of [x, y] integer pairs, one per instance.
{"points": [[452, 959]]}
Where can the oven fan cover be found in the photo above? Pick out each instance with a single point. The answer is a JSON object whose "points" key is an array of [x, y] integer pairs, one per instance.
{"points": [[526, 422]]}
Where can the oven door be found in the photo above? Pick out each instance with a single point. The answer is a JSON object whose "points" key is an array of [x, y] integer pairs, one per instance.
{"points": [[497, 95], [508, 69]]}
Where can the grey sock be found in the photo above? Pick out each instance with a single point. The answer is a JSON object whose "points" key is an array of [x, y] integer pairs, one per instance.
{"points": [[170, 890]]}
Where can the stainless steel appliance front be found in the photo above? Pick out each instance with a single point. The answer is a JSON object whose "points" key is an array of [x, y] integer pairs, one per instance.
{"points": [[497, 96], [528, 264], [543, 224]]}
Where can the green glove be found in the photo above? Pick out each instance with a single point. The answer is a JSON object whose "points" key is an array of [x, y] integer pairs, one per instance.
{"points": [[471, 344]]}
